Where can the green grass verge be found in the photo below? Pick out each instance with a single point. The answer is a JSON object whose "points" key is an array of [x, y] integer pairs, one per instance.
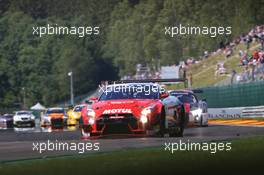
{"points": [[246, 156]]}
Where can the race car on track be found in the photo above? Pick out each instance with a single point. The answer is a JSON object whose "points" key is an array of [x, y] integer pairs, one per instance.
{"points": [[54, 117], [196, 109], [6, 121], [75, 114], [134, 108], [24, 118]]}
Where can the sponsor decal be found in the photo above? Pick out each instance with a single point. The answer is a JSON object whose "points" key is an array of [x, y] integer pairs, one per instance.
{"points": [[121, 102], [117, 117], [114, 111]]}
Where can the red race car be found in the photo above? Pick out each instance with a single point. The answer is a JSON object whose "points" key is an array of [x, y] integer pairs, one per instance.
{"points": [[133, 108]]}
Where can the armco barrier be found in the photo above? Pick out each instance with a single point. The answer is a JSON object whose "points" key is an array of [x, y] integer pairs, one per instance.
{"points": [[256, 111], [247, 94], [236, 112]]}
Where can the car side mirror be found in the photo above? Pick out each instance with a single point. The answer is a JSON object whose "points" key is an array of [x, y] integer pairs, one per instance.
{"points": [[93, 99], [164, 95]]}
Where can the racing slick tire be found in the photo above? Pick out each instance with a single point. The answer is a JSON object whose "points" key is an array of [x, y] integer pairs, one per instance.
{"points": [[32, 124], [84, 133], [81, 122], [178, 131], [162, 123], [201, 123]]}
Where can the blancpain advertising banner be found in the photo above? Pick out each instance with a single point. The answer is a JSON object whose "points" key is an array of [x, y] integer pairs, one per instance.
{"points": [[225, 113]]}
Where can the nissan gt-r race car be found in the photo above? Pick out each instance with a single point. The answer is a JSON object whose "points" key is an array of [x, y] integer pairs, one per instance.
{"points": [[136, 109], [196, 110]]}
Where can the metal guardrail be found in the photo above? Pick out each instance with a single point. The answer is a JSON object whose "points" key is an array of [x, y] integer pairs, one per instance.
{"points": [[255, 111]]}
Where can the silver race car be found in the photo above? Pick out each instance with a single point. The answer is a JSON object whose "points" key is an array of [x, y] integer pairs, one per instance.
{"points": [[197, 109], [24, 118]]}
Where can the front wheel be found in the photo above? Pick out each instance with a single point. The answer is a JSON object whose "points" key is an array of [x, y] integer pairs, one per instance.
{"points": [[32, 124], [85, 133], [202, 123], [177, 130], [162, 123]]}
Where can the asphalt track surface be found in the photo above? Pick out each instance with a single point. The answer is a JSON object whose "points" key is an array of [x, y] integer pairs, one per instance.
{"points": [[16, 144]]}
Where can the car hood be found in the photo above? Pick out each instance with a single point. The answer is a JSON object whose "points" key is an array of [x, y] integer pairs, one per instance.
{"points": [[6, 118], [56, 115], [134, 106], [22, 116]]}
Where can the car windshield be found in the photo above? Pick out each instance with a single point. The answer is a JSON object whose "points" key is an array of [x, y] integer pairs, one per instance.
{"points": [[131, 92], [184, 97], [7, 116], [55, 111], [23, 113], [78, 108]]}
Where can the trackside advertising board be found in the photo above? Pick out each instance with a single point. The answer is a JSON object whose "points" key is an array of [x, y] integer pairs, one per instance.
{"points": [[169, 72], [215, 113]]}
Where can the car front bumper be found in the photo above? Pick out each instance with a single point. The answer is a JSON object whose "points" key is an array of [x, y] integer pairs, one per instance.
{"points": [[201, 119], [72, 121], [24, 122], [4, 124], [109, 127]]}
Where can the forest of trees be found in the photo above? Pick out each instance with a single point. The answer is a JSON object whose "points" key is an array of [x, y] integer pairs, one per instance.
{"points": [[131, 32]]}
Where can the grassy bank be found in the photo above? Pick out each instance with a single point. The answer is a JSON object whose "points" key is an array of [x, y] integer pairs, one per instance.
{"points": [[203, 73]]}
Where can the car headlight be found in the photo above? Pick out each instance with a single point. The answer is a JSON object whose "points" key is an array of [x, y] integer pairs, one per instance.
{"points": [[32, 117], [15, 117], [91, 113], [144, 119], [46, 118], [146, 111], [74, 115], [197, 112], [91, 121], [144, 114]]}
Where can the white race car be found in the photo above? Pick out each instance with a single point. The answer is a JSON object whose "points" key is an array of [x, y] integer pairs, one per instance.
{"points": [[197, 109], [24, 118]]}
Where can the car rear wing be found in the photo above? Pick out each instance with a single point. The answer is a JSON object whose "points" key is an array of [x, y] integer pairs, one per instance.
{"points": [[172, 80], [197, 91]]}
